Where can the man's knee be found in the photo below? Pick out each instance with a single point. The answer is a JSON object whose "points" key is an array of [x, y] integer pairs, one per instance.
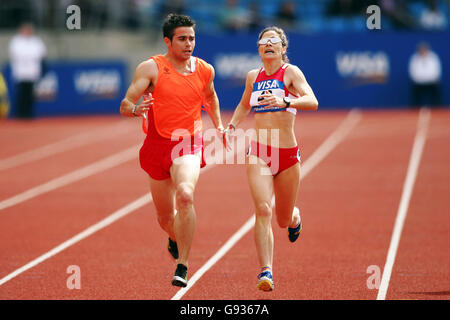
{"points": [[165, 220], [185, 194], [264, 210]]}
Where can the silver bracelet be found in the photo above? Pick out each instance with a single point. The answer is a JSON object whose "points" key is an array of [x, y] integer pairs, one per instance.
{"points": [[134, 110]]}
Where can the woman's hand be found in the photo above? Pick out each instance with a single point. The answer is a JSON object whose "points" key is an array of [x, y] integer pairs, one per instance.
{"points": [[271, 100]]}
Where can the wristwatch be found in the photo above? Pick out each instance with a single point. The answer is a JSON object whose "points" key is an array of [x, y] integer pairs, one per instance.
{"points": [[134, 110], [287, 101]]}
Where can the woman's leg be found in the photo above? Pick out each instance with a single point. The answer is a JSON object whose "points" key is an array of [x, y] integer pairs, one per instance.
{"points": [[261, 187], [286, 186]]}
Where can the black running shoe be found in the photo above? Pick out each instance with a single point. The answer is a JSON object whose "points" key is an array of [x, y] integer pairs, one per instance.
{"points": [[180, 277], [173, 248], [293, 233]]}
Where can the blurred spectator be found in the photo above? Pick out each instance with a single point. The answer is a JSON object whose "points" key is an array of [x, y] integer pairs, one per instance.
{"points": [[131, 15], [432, 18], [94, 13], [234, 17], [171, 6], [13, 12], [254, 17], [99, 18], [286, 16], [27, 53], [425, 73], [397, 11], [345, 7], [4, 100]]}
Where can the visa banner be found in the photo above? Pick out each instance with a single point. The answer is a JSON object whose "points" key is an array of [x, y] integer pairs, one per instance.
{"points": [[367, 69], [76, 88]]}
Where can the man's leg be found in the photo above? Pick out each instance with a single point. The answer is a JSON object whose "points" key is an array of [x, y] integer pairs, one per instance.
{"points": [[163, 194], [184, 172], [415, 101], [24, 100]]}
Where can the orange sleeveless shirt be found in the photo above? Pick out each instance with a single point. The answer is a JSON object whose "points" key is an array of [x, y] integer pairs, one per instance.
{"points": [[178, 98]]}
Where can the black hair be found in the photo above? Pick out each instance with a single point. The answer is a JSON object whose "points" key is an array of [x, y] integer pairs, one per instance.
{"points": [[174, 21], [282, 34]]}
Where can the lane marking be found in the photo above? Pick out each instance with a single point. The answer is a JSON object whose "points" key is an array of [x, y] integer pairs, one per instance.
{"points": [[414, 161], [84, 172], [122, 212], [138, 203], [69, 143], [351, 119], [246, 227], [336, 137]]}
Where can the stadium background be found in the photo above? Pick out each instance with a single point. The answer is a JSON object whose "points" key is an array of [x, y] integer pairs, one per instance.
{"points": [[375, 179], [347, 64]]}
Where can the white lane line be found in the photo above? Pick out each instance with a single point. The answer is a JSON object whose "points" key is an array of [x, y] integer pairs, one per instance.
{"points": [[147, 199], [246, 227], [353, 117], [69, 143], [414, 161], [337, 136], [138, 203], [96, 167]]}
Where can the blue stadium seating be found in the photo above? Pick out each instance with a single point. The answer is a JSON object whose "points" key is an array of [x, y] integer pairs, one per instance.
{"points": [[311, 14]]}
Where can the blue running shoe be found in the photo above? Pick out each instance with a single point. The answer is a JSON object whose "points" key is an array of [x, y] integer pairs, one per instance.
{"points": [[265, 282], [293, 233]]}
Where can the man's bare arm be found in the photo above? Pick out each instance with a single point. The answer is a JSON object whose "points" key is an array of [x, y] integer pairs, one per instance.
{"points": [[144, 77], [243, 108], [212, 101]]}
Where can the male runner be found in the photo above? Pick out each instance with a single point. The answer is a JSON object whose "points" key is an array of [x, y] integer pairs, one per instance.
{"points": [[175, 86]]}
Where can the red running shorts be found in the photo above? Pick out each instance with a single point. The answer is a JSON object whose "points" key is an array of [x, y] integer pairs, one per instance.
{"points": [[277, 159], [156, 156]]}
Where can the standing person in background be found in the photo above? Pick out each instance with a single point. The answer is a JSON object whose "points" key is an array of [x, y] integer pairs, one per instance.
{"points": [[275, 92], [432, 18], [174, 86], [27, 53], [425, 72], [4, 100]]}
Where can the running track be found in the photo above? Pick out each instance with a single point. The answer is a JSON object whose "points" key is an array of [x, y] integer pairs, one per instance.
{"points": [[374, 193]]}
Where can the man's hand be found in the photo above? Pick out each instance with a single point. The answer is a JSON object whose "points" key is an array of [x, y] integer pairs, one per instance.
{"points": [[221, 132], [227, 136], [141, 109]]}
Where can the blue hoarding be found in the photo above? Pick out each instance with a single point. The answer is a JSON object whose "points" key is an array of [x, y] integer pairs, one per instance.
{"points": [[363, 69], [77, 88]]}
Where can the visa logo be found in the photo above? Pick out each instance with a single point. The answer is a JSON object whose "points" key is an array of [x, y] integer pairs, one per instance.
{"points": [[268, 84], [97, 82], [362, 64], [47, 87], [236, 65]]}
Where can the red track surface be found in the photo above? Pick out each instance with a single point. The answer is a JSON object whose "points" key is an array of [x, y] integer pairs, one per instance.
{"points": [[349, 204]]}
